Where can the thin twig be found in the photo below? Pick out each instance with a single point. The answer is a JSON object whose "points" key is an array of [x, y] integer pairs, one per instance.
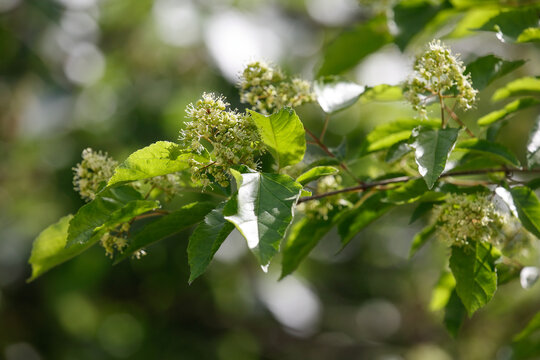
{"points": [[461, 123], [441, 102], [325, 126]]}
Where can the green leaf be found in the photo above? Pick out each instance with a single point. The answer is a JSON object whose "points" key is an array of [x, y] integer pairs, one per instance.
{"points": [[494, 150], [316, 173], [283, 134], [533, 146], [412, 191], [262, 210], [334, 94], [454, 314], [440, 296], [304, 236], [351, 46], [356, 219], [168, 225], [510, 24], [473, 268], [421, 239], [473, 19], [206, 240], [509, 109], [532, 326], [385, 135], [518, 87], [49, 248], [108, 209], [160, 158], [397, 151], [486, 69], [432, 148], [382, 92], [528, 208], [422, 209], [529, 35]]}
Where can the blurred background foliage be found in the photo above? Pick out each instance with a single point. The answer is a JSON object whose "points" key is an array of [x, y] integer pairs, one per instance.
{"points": [[116, 75]]}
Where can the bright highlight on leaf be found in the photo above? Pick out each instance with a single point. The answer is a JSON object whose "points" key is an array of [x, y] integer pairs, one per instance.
{"points": [[520, 87], [334, 94]]}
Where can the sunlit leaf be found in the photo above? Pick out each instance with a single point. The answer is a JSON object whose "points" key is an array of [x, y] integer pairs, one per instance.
{"points": [[334, 94], [382, 92], [316, 173], [486, 69], [533, 146], [283, 134], [473, 19], [529, 35], [440, 296], [520, 87], [528, 208], [431, 150], [508, 110]]}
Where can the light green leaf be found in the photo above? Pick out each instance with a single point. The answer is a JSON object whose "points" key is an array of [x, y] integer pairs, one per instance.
{"points": [[284, 135], [160, 158], [316, 173], [486, 69], [440, 296], [510, 24], [108, 209], [304, 236], [206, 240], [454, 314], [528, 208], [533, 146], [351, 46], [473, 268], [385, 135], [334, 94], [509, 109], [432, 148], [473, 19], [167, 225], [262, 211], [382, 92], [529, 35], [49, 248], [421, 239], [519, 87], [356, 219], [494, 150]]}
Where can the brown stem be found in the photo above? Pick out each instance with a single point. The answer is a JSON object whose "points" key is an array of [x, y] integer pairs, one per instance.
{"points": [[157, 212], [325, 126], [441, 102], [457, 119]]}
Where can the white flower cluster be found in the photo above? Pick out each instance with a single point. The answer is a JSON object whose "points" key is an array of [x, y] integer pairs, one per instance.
{"points": [[95, 169], [466, 218], [115, 241], [229, 137], [267, 89], [439, 72], [320, 209]]}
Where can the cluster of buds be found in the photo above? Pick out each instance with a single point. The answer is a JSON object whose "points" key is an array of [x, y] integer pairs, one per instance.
{"points": [[267, 89], [115, 241], [465, 218], [438, 72], [320, 209], [169, 185], [95, 169], [230, 138]]}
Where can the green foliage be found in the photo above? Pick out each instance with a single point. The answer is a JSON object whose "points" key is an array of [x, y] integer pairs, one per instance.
{"points": [[508, 110], [316, 173], [528, 208], [487, 69], [519, 87], [421, 239], [533, 146], [334, 94], [511, 24], [494, 150]]}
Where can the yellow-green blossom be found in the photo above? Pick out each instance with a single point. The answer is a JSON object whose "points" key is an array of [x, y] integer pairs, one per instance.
{"points": [[95, 169], [320, 209]]}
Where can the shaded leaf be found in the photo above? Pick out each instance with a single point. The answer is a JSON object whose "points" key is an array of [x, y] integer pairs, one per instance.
{"points": [[533, 146], [454, 314], [509, 109], [334, 94], [262, 210], [519, 87], [422, 209], [351, 46], [206, 240], [532, 326], [315, 173], [167, 225], [486, 69], [528, 208], [510, 24], [412, 191], [284, 135], [473, 268], [160, 158], [431, 151], [494, 150], [397, 151], [421, 239]]}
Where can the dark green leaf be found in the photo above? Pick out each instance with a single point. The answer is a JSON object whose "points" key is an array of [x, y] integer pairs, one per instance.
{"points": [[304, 236], [397, 151], [509, 109], [316, 173], [507, 271], [533, 146], [359, 217], [532, 326], [421, 239], [170, 224], [494, 150], [334, 94], [432, 148], [412, 191], [420, 210], [160, 158], [283, 134], [262, 210], [350, 47], [486, 69], [206, 240], [454, 314], [520, 87], [528, 208], [510, 24], [473, 267]]}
